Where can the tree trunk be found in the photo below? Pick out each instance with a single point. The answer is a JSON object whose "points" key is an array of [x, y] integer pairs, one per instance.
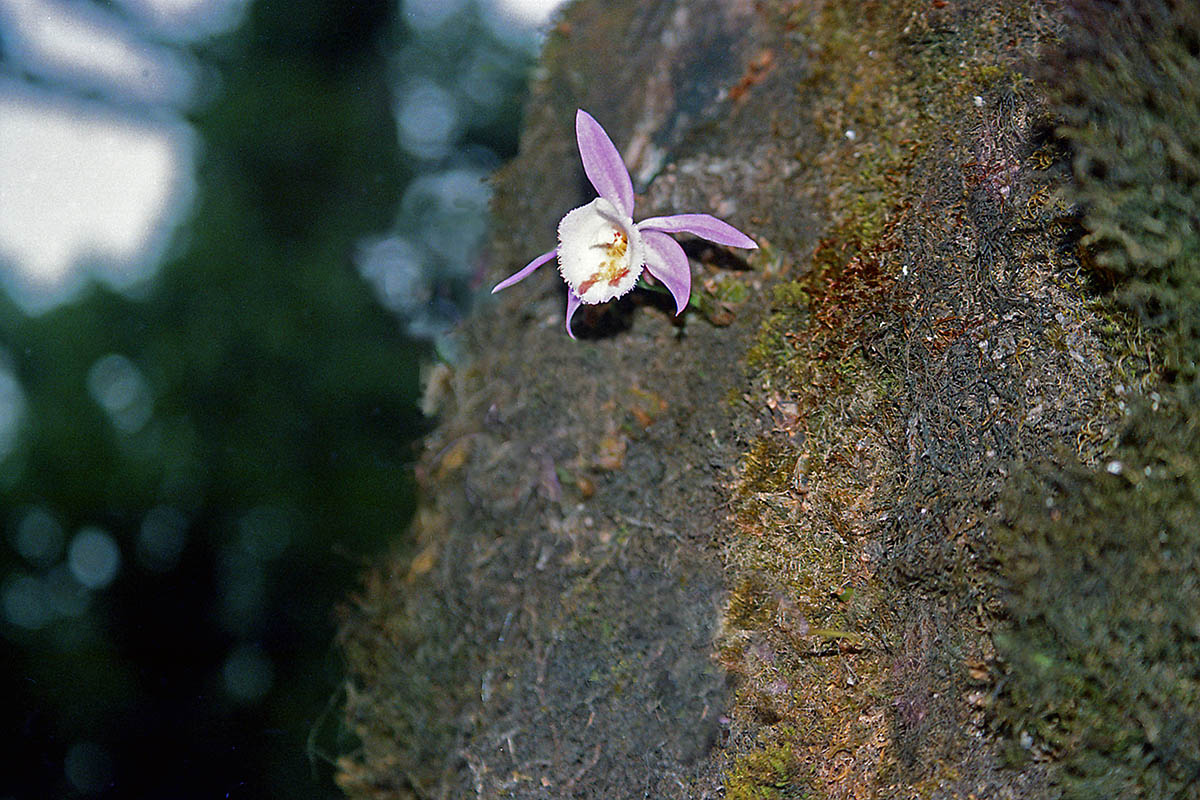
{"points": [[751, 551]]}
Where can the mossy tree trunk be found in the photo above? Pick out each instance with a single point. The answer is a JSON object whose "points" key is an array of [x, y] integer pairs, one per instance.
{"points": [[752, 551]]}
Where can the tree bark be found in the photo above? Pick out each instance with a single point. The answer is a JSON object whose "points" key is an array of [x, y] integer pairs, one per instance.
{"points": [[746, 552]]}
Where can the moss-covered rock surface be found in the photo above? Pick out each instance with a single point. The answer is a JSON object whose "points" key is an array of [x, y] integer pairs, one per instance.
{"points": [[906, 507]]}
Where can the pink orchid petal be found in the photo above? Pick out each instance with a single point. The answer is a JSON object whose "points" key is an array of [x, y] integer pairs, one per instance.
{"points": [[573, 303], [705, 226], [666, 261], [603, 163], [525, 271]]}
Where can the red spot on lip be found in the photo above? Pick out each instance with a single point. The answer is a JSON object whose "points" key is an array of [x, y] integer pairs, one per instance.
{"points": [[592, 281]]}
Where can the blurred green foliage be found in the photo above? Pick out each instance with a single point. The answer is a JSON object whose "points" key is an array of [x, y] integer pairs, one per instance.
{"points": [[1104, 654], [256, 393], [1102, 564], [1128, 84]]}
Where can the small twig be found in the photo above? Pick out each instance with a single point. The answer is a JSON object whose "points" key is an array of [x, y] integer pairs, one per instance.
{"points": [[579, 773]]}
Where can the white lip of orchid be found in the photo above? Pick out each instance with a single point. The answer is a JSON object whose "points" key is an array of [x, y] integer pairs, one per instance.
{"points": [[600, 251]]}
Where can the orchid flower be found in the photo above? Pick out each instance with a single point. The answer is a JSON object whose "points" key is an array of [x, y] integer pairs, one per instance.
{"points": [[602, 251]]}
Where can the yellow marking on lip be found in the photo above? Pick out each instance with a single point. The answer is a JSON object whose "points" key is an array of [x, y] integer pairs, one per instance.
{"points": [[614, 266]]}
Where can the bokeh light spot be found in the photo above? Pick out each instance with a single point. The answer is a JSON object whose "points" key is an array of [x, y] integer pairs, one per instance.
{"points": [[88, 767], [397, 270], [39, 537], [450, 209], [188, 20], [85, 186], [26, 601], [117, 385], [94, 557], [248, 674], [425, 15], [12, 409], [427, 118], [83, 44], [515, 19]]}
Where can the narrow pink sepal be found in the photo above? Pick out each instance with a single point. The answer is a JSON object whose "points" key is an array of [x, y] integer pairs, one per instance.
{"points": [[525, 271], [705, 226], [573, 303], [666, 261], [603, 163]]}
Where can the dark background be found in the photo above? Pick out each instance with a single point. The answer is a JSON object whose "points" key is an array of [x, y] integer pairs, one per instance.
{"points": [[277, 389]]}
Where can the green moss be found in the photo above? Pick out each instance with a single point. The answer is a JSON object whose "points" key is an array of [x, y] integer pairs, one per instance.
{"points": [[767, 467], [730, 290], [791, 295], [1104, 650], [749, 606], [1128, 87], [771, 773]]}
